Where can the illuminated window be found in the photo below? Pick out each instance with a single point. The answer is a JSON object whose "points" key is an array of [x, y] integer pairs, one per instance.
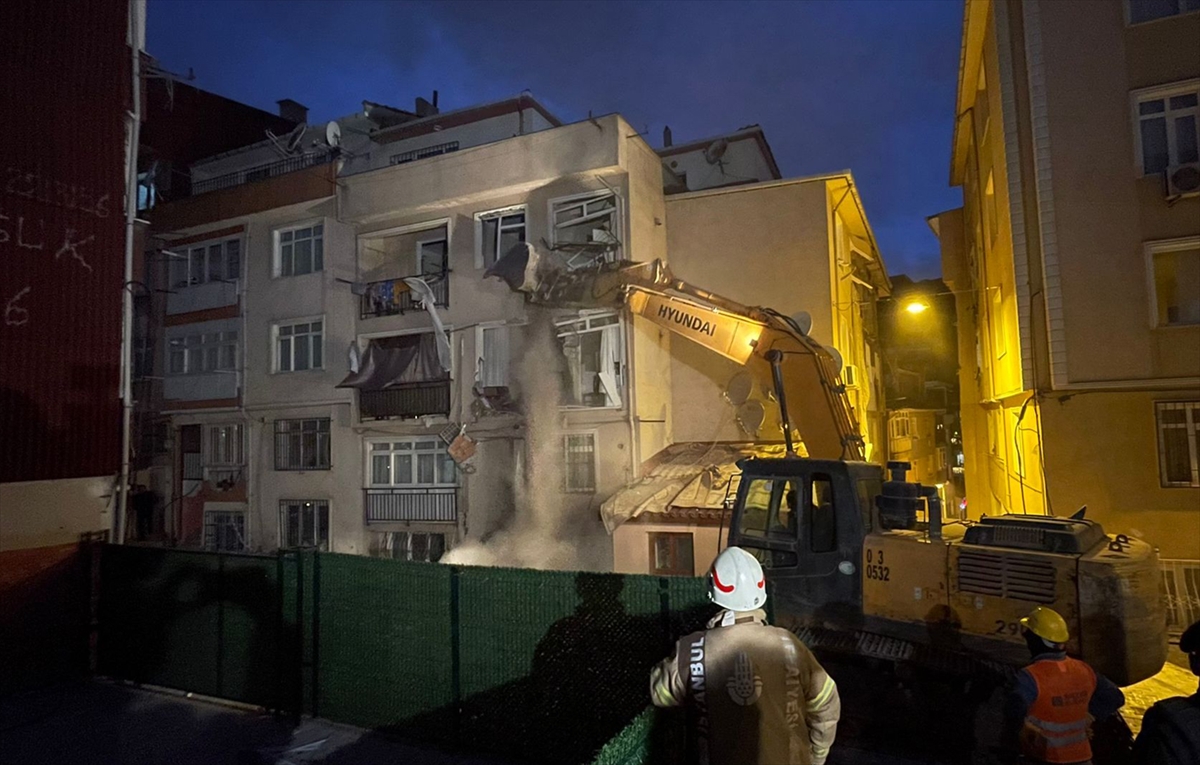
{"points": [[1178, 429], [1165, 126], [672, 554], [1149, 10], [579, 463], [299, 250], [304, 523], [406, 545], [1175, 273]]}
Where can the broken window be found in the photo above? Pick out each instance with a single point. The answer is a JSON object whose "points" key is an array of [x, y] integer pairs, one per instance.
{"points": [[579, 463], [499, 232], [586, 229], [594, 351]]}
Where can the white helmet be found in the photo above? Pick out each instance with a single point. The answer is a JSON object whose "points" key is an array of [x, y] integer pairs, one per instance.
{"points": [[736, 581]]}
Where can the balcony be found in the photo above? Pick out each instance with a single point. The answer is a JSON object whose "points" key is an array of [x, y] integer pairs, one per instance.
{"points": [[406, 400], [415, 504], [392, 296], [269, 170]]}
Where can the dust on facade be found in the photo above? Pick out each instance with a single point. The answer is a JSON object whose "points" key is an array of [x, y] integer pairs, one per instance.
{"points": [[321, 362]]}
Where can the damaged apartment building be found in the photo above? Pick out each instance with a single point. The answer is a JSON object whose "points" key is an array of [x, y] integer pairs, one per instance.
{"points": [[339, 373]]}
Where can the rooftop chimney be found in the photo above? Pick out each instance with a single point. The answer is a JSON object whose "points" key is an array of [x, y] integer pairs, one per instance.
{"points": [[293, 110], [666, 136]]}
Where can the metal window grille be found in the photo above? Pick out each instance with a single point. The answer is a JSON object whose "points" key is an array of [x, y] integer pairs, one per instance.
{"points": [[579, 474], [302, 444], [404, 545], [304, 523], [1181, 587], [428, 151], [1178, 450], [224, 530]]}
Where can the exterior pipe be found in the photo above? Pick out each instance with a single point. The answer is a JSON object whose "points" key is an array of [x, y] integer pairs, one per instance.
{"points": [[131, 209]]}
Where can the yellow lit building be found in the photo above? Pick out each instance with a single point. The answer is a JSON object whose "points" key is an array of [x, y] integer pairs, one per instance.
{"points": [[1076, 264]]}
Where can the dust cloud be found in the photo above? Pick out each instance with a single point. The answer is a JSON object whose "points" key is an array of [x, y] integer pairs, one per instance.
{"points": [[545, 529]]}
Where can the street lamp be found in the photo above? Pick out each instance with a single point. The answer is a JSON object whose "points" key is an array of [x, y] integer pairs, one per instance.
{"points": [[916, 306]]}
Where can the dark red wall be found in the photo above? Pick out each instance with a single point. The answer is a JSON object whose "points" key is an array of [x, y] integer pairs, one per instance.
{"points": [[62, 155]]}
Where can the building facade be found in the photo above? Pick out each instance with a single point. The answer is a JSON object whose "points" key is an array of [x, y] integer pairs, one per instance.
{"points": [[1076, 263]]}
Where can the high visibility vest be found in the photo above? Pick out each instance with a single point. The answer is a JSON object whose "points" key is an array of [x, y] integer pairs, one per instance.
{"points": [[1056, 725]]}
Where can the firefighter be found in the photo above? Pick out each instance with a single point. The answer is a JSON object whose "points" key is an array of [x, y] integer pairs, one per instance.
{"points": [[1056, 696], [755, 694], [1171, 728]]}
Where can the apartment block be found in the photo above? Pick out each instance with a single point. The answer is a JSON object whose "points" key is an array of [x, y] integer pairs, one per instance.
{"points": [[1076, 262]]}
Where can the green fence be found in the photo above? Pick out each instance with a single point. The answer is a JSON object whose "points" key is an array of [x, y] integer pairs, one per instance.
{"points": [[538, 666]]}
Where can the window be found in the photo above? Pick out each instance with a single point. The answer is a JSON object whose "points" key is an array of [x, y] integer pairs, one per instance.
{"points": [[492, 367], [822, 520], [302, 444], [224, 530], [898, 427], [999, 323], [1166, 126], [203, 263], [579, 463], [770, 509], [1149, 10], [299, 250], [201, 353], [594, 349], [299, 346], [1178, 433], [497, 233], [408, 545], [225, 445], [304, 523], [586, 229], [1175, 272], [989, 197], [671, 554], [432, 256], [412, 462]]}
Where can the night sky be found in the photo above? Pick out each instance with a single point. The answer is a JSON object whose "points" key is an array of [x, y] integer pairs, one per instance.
{"points": [[861, 84]]}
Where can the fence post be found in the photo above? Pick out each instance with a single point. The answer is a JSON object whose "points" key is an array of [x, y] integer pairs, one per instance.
{"points": [[315, 670], [220, 624], [280, 643], [664, 602], [299, 636], [455, 667]]}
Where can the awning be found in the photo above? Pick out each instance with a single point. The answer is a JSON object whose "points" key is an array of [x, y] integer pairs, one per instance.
{"points": [[390, 361], [684, 477]]}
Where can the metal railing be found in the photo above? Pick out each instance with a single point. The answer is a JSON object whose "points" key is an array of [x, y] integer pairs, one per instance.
{"points": [[417, 504], [428, 151], [1181, 586], [259, 172], [389, 297], [406, 400]]}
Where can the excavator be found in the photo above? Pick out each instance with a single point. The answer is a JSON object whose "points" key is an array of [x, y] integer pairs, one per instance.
{"points": [[860, 562]]}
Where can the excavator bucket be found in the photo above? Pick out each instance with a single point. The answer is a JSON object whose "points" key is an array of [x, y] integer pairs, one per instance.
{"points": [[522, 268]]}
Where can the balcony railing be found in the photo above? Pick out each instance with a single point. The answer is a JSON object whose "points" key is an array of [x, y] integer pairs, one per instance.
{"points": [[269, 170], [406, 400], [415, 504], [392, 296]]}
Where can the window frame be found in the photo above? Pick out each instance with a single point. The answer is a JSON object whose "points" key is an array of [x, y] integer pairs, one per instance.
{"points": [[618, 212], [202, 250], [480, 357], [327, 453], [1128, 8], [285, 505], [393, 452], [1160, 93], [209, 446], [566, 488], [276, 326], [618, 328], [674, 538], [1158, 247], [1191, 425], [277, 248], [183, 346], [230, 513], [408, 545], [499, 213]]}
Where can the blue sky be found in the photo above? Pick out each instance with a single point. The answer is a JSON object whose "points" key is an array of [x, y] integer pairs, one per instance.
{"points": [[861, 84]]}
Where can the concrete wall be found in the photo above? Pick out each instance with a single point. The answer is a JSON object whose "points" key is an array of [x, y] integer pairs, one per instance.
{"points": [[44, 513], [743, 162], [631, 545]]}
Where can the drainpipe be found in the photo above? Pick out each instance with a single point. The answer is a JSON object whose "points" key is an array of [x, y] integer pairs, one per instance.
{"points": [[131, 205]]}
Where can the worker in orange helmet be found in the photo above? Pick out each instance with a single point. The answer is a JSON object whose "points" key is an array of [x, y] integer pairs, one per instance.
{"points": [[756, 695], [1056, 697]]}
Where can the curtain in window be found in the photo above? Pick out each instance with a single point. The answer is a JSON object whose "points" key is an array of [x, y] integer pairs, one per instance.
{"points": [[610, 360]]}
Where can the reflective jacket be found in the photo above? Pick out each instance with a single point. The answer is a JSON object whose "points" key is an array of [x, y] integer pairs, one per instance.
{"points": [[1170, 733], [1055, 729], [755, 694]]}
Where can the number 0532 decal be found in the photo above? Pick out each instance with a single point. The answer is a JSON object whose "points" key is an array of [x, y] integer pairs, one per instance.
{"points": [[875, 568]]}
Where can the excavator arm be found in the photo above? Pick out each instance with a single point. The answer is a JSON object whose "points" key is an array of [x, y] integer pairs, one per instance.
{"points": [[757, 338]]}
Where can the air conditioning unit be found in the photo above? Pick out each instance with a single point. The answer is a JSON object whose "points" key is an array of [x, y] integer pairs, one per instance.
{"points": [[1183, 179], [850, 376]]}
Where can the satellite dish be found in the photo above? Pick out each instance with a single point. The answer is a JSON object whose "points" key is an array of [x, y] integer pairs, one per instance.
{"points": [[333, 135], [838, 362], [739, 387], [751, 416], [803, 319], [294, 138], [277, 143], [715, 150]]}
